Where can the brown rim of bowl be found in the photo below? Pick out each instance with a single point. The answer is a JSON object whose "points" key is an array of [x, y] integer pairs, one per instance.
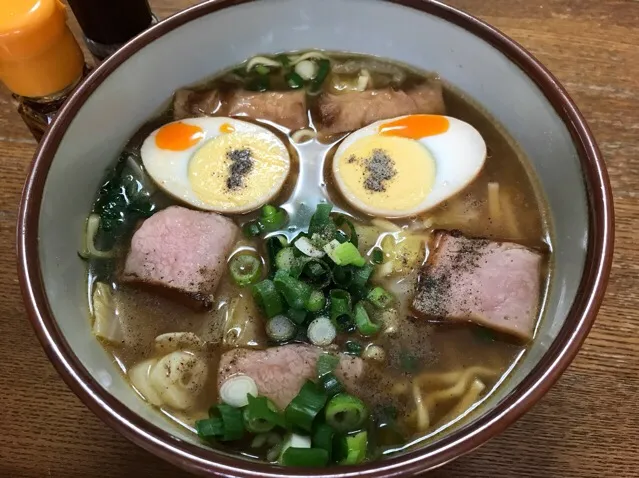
{"points": [[203, 461]]}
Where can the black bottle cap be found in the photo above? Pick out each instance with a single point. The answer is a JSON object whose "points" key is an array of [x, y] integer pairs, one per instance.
{"points": [[112, 21]]}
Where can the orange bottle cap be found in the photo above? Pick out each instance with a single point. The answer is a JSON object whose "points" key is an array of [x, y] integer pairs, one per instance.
{"points": [[38, 54]]}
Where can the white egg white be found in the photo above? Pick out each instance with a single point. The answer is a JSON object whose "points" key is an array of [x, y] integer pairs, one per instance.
{"points": [[459, 156]]}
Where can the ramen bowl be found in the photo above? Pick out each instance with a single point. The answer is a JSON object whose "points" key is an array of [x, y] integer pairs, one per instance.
{"points": [[136, 82]]}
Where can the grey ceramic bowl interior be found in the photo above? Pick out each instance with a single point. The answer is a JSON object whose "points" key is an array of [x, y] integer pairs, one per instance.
{"points": [[110, 108]]}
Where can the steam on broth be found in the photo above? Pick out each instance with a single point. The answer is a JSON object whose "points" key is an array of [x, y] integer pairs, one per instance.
{"points": [[287, 231]]}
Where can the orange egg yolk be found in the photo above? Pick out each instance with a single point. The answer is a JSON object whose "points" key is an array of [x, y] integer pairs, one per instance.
{"points": [[178, 136], [415, 126], [226, 128]]}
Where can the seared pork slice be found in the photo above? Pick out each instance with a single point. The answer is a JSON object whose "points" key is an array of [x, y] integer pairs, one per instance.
{"points": [[494, 284], [286, 108], [280, 372], [351, 111], [181, 253], [193, 104]]}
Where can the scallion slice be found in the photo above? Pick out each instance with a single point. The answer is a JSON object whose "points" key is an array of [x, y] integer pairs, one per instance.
{"points": [[341, 220], [297, 316], [344, 254], [355, 447], [324, 67], [311, 457], [323, 437], [331, 384], [326, 363], [363, 322], [305, 406], [280, 328], [233, 422], [380, 298], [252, 229], [294, 80], [322, 224], [361, 275], [321, 332], [267, 297], [316, 301], [343, 276], [245, 269], [306, 247], [341, 310], [345, 413], [295, 292], [317, 272], [353, 348], [261, 415], [272, 218], [210, 428]]}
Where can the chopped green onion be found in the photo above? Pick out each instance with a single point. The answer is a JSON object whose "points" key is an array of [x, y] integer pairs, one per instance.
{"points": [[323, 438], [377, 256], [306, 247], [272, 218], [285, 259], [245, 269], [363, 321], [341, 309], [321, 332], [210, 428], [267, 297], [316, 301], [331, 384], [293, 80], [342, 276], [318, 273], [342, 220], [322, 72], [273, 245], [311, 457], [344, 254], [353, 348], [380, 298], [322, 224], [252, 229], [233, 422], [262, 70], [280, 328], [261, 415], [361, 275], [356, 447], [305, 406], [296, 315], [295, 292], [326, 363], [345, 413]]}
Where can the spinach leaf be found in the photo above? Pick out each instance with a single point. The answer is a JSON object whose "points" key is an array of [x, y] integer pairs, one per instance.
{"points": [[121, 202]]}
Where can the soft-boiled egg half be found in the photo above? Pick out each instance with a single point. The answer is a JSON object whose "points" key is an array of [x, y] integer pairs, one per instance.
{"points": [[407, 165], [217, 164]]}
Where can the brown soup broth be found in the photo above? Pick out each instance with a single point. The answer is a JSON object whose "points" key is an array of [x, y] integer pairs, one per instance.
{"points": [[416, 346]]}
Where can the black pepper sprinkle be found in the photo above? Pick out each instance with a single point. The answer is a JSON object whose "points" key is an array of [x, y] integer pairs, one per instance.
{"points": [[241, 165], [379, 168]]}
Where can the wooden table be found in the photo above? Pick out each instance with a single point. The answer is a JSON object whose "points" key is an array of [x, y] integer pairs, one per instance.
{"points": [[587, 426]]}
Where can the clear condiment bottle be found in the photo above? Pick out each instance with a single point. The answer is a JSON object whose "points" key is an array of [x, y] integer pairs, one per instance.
{"points": [[108, 24], [40, 60]]}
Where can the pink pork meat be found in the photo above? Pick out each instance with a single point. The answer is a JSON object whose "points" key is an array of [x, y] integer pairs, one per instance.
{"points": [[280, 372], [181, 253], [494, 284]]}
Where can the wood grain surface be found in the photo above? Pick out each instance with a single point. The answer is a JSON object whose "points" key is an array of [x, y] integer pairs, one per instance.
{"points": [[587, 426]]}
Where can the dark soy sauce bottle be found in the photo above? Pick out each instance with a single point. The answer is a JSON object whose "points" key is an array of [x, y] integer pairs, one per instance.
{"points": [[108, 24]]}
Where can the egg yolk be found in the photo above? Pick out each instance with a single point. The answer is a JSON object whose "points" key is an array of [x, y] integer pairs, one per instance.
{"points": [[235, 170], [387, 173], [178, 136], [415, 126]]}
